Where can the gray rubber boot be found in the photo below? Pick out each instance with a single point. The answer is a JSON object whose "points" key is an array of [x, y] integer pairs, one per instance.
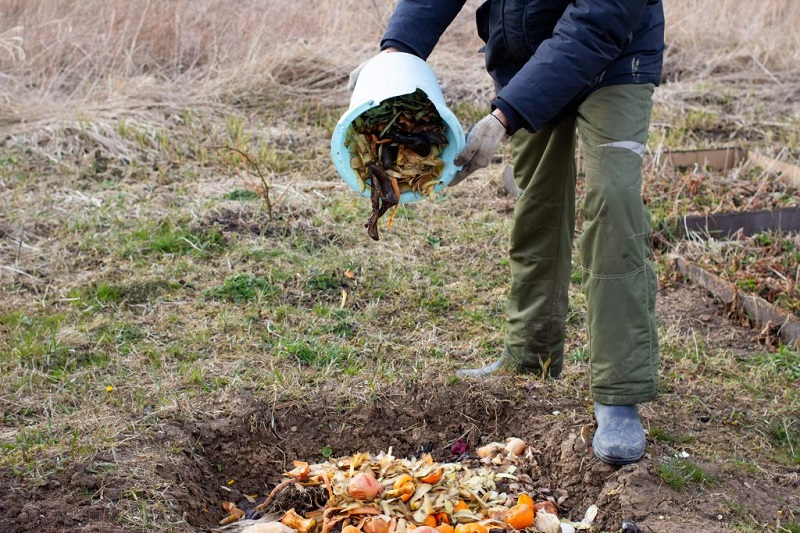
{"points": [[481, 372], [619, 439], [507, 363]]}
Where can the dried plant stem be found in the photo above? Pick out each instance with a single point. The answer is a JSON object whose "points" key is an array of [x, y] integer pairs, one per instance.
{"points": [[271, 496], [264, 190]]}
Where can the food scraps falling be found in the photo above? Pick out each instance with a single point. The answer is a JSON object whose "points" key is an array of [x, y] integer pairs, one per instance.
{"points": [[366, 493], [396, 147]]}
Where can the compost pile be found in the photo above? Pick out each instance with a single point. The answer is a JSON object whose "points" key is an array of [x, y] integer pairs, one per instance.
{"points": [[396, 147], [366, 493]]}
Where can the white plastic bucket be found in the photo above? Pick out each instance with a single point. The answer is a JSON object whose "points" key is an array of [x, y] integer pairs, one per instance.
{"points": [[385, 76]]}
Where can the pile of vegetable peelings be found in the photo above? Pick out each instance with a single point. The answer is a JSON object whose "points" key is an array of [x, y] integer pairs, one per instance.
{"points": [[366, 493], [396, 147]]}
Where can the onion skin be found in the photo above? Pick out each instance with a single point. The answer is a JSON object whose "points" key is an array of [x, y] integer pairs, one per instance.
{"points": [[547, 506], [489, 450], [547, 522], [364, 487], [515, 446], [376, 525]]}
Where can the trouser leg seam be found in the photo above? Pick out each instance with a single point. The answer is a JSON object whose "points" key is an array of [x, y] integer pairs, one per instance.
{"points": [[543, 204], [564, 175], [614, 276]]}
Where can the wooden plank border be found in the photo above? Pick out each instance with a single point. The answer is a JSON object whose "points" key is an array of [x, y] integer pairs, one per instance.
{"points": [[721, 159], [728, 224], [789, 173], [716, 158], [762, 312]]}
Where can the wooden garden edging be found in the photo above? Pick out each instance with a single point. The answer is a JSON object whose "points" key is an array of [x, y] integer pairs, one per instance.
{"points": [[729, 224], [725, 159], [756, 308], [721, 225]]}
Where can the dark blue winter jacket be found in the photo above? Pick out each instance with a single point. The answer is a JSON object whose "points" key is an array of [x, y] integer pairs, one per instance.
{"points": [[545, 56]]}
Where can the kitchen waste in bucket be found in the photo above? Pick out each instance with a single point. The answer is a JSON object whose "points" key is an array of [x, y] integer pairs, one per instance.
{"points": [[390, 80]]}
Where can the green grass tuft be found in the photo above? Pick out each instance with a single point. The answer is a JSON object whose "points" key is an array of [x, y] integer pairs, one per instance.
{"points": [[661, 435], [241, 195], [679, 474], [320, 354], [241, 288], [325, 283], [783, 364], [172, 238], [786, 433], [105, 293], [33, 341]]}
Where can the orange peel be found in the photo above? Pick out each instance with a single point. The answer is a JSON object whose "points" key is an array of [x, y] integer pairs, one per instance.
{"points": [[442, 518], [525, 498], [430, 521], [234, 513], [472, 527], [445, 528], [300, 470], [295, 521], [432, 477], [403, 488], [520, 516]]}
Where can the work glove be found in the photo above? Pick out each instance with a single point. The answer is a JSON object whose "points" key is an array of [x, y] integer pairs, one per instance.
{"points": [[351, 84], [482, 142]]}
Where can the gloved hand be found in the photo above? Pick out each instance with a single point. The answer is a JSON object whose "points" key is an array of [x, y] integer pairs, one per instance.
{"points": [[351, 84], [482, 142]]}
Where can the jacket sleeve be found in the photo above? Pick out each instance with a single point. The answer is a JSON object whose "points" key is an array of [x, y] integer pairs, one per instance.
{"points": [[589, 35], [416, 25]]}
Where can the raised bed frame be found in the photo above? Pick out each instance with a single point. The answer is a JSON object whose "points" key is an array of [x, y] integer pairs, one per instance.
{"points": [[762, 313]]}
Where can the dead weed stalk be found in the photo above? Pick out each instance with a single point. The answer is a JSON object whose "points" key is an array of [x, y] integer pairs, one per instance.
{"points": [[260, 187]]}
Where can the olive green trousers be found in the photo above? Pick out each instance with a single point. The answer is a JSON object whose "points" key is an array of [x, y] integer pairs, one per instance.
{"points": [[617, 277]]}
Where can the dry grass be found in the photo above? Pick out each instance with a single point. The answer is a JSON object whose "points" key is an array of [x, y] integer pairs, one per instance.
{"points": [[111, 56], [733, 39], [732, 72], [120, 58], [117, 57], [65, 50]]}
